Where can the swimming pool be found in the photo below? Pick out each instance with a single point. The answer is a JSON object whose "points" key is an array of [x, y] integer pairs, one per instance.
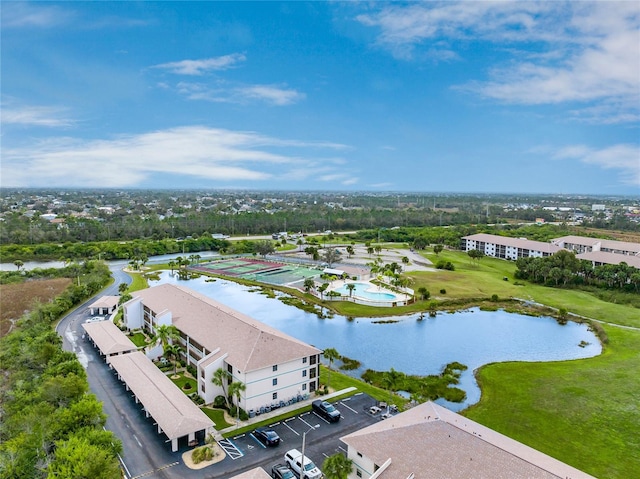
{"points": [[367, 291]]}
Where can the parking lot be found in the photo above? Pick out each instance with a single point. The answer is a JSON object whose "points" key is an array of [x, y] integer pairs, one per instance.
{"points": [[322, 438]]}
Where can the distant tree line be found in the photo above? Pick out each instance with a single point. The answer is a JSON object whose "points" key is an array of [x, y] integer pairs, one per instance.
{"points": [[51, 426]]}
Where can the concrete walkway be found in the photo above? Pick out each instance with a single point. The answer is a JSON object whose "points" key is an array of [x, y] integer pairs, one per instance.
{"points": [[283, 410]]}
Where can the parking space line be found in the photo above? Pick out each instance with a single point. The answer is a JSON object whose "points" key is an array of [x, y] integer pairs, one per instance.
{"points": [[296, 432], [305, 422], [350, 409], [320, 417]]}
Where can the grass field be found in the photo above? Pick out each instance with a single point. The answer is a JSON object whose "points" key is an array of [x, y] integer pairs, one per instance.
{"points": [[16, 299], [586, 412]]}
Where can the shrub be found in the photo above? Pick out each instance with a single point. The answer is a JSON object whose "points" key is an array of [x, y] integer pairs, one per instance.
{"points": [[219, 401], [494, 298], [448, 265], [443, 291], [192, 370], [202, 453]]}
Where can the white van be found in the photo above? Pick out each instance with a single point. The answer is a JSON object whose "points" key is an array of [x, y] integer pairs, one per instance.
{"points": [[293, 458]]}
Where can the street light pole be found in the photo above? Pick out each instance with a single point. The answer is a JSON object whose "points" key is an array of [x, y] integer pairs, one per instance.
{"points": [[302, 469]]}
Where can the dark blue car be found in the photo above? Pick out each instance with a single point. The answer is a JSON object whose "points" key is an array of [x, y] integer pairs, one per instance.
{"points": [[266, 436]]}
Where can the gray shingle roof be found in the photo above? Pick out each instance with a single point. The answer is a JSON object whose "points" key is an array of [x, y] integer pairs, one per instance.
{"points": [[174, 412], [108, 338], [433, 442], [250, 344]]}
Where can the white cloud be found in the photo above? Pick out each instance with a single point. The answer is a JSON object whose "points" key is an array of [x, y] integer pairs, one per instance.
{"points": [[193, 151], [587, 52], [23, 14], [200, 67], [222, 93], [623, 157], [271, 94], [36, 116]]}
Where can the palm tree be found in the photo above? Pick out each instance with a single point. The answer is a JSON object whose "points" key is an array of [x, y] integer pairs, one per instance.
{"points": [[391, 379], [164, 334], [337, 466], [308, 284], [172, 351], [331, 354], [235, 390], [122, 288], [351, 287], [221, 378]]}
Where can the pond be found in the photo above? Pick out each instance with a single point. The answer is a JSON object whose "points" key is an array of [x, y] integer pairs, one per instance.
{"points": [[472, 337]]}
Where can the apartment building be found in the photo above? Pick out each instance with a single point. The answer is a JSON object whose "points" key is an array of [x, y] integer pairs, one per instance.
{"points": [[507, 248], [274, 367]]}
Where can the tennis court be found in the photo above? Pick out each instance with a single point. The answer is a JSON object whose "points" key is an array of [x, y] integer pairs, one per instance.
{"points": [[258, 270], [239, 266]]}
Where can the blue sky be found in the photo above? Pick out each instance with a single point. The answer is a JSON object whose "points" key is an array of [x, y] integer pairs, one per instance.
{"points": [[532, 97]]}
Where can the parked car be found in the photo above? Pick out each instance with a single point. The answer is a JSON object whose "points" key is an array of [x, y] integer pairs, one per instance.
{"points": [[325, 410], [281, 471], [266, 436], [294, 460]]}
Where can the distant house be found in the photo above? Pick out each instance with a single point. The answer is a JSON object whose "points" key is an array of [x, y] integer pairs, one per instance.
{"points": [[429, 441], [273, 366]]}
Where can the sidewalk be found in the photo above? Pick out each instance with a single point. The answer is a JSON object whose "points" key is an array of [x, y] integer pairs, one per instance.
{"points": [[282, 410]]}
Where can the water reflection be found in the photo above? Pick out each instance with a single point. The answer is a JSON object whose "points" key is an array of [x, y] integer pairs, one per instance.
{"points": [[471, 337]]}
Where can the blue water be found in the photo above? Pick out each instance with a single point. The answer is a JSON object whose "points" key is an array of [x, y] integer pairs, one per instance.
{"points": [[471, 337], [362, 290]]}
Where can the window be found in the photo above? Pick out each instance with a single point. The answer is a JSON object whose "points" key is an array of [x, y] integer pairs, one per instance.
{"points": [[312, 359], [304, 387], [312, 373], [275, 367], [359, 454], [202, 373], [230, 368], [274, 382], [304, 373], [312, 386], [274, 396], [304, 360], [358, 473]]}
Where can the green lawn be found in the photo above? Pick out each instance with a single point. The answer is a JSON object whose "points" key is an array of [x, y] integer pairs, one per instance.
{"points": [[184, 380], [217, 416], [585, 413], [139, 339]]}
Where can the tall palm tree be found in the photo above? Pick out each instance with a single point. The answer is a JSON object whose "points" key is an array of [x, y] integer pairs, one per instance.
{"points": [[172, 351], [351, 287], [221, 378], [337, 466], [331, 354], [235, 390]]}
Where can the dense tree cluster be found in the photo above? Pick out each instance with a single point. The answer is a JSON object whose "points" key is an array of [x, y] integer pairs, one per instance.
{"points": [[563, 268], [51, 426]]}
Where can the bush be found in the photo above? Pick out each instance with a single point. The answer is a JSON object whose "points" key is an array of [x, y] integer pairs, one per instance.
{"points": [[202, 453], [443, 291], [192, 370], [494, 298], [448, 265], [220, 402]]}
